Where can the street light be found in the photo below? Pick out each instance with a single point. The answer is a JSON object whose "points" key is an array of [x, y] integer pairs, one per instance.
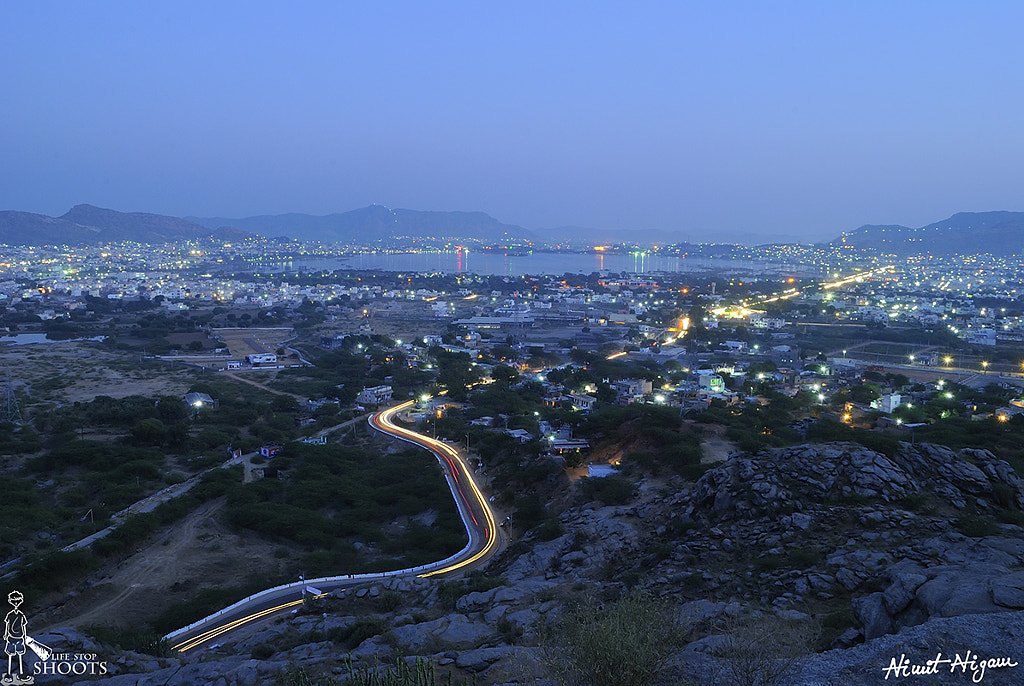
{"points": [[948, 360], [984, 365]]}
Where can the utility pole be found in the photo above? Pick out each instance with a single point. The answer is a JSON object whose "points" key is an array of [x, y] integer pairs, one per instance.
{"points": [[10, 412]]}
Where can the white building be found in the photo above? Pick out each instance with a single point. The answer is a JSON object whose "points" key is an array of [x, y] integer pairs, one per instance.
{"points": [[982, 337], [582, 402], [375, 395], [707, 379], [887, 403]]}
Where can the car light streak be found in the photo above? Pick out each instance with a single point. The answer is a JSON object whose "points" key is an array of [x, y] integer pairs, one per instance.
{"points": [[223, 629], [444, 451], [483, 538]]}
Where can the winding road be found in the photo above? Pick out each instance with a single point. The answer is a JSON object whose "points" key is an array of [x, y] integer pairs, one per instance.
{"points": [[484, 541]]}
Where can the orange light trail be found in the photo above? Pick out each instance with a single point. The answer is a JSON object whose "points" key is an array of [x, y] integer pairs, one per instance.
{"points": [[460, 476]]}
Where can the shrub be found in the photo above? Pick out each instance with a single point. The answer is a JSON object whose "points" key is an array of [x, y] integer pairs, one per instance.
{"points": [[1005, 495], [760, 652], [389, 601], [610, 490], [401, 673], [975, 526], [364, 628], [623, 643], [549, 529], [1011, 517], [509, 631]]}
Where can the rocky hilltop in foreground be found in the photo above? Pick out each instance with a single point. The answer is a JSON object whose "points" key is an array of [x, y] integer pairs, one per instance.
{"points": [[817, 564]]}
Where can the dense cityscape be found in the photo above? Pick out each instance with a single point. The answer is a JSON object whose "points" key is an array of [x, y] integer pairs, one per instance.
{"points": [[192, 377], [511, 344]]}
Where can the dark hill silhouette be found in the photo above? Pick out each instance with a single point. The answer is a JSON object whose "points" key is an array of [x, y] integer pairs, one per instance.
{"points": [[965, 233], [86, 224], [376, 222]]}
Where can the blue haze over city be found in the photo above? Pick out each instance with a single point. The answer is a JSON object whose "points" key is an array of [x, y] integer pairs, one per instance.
{"points": [[740, 121], [407, 343]]}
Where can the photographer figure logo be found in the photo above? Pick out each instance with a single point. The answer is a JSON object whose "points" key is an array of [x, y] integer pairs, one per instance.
{"points": [[15, 637]]}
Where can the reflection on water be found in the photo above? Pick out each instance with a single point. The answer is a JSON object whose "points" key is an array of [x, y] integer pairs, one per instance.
{"points": [[499, 264]]}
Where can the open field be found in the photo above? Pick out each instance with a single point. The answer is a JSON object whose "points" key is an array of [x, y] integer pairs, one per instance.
{"points": [[69, 371], [249, 341], [197, 552]]}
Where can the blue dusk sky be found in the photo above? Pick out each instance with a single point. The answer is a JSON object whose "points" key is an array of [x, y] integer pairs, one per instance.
{"points": [[793, 120]]}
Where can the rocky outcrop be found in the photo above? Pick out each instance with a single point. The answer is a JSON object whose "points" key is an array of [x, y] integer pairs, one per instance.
{"points": [[951, 576], [781, 534], [964, 641], [795, 479], [822, 520], [225, 672]]}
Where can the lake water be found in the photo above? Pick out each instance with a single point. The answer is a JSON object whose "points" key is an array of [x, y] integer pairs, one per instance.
{"points": [[28, 338], [498, 264]]}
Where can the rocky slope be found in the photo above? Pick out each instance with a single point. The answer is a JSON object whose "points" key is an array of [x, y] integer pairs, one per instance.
{"points": [[912, 553]]}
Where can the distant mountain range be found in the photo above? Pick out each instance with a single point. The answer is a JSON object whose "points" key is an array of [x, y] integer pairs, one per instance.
{"points": [[375, 222], [965, 233], [86, 224], [1000, 233]]}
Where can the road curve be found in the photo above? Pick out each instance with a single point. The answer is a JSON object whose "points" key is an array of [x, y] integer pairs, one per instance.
{"points": [[473, 507], [476, 513]]}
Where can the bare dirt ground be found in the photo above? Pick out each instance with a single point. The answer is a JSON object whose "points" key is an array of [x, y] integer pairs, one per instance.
{"points": [[242, 342], [198, 552], [716, 450], [71, 371], [405, 322]]}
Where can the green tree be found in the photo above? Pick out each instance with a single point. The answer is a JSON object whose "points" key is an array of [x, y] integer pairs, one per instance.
{"points": [[504, 375], [149, 432], [455, 373]]}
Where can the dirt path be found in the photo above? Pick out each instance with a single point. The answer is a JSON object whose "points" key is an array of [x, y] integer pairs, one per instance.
{"points": [[134, 578], [197, 552], [257, 384]]}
